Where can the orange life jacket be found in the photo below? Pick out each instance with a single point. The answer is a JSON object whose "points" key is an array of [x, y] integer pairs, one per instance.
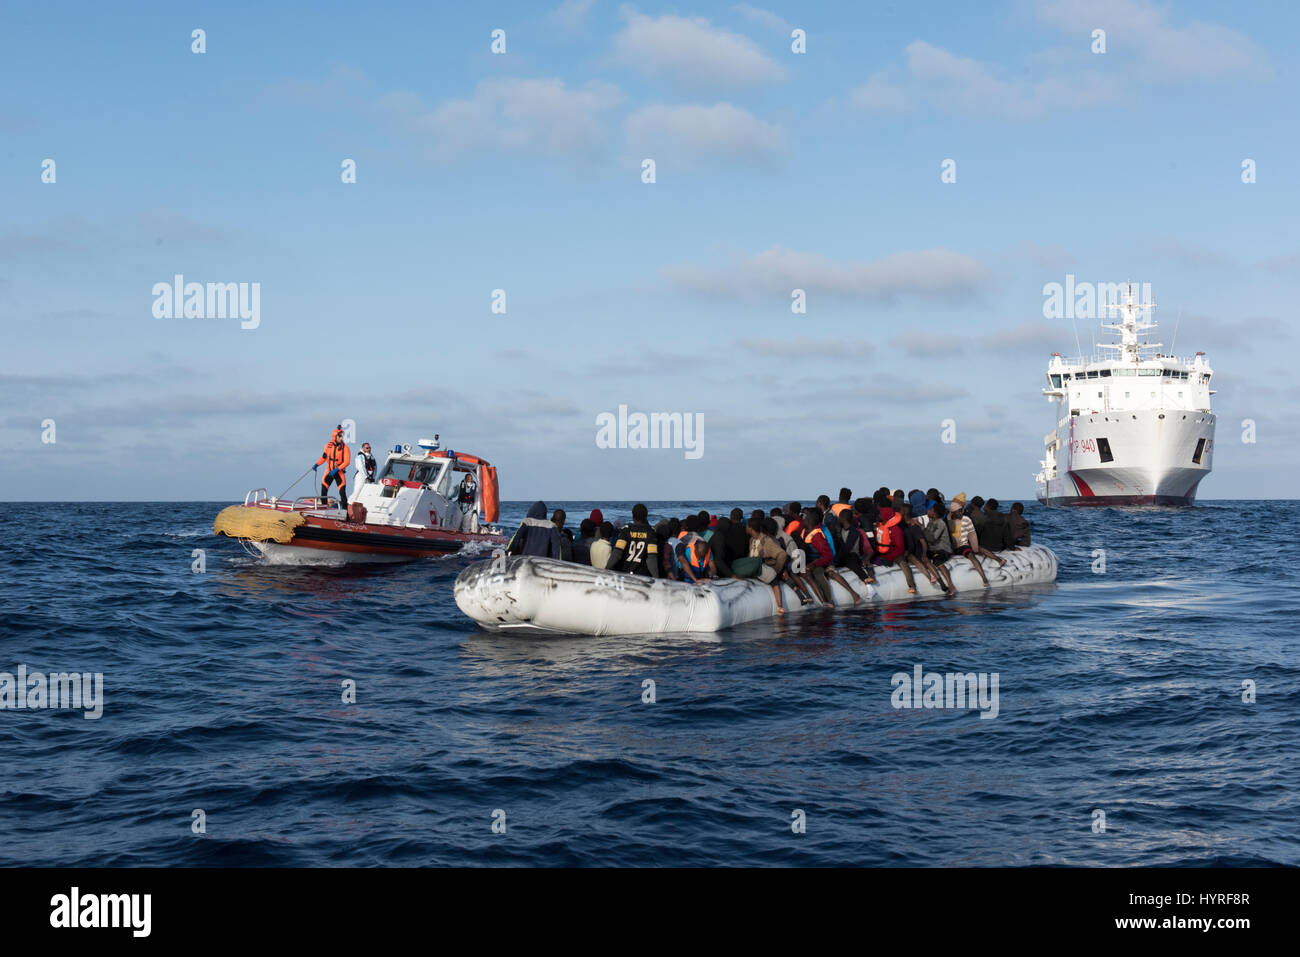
{"points": [[841, 508], [884, 535], [695, 557], [336, 456]]}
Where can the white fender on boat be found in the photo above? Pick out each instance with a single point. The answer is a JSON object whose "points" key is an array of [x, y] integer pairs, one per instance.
{"points": [[549, 595]]}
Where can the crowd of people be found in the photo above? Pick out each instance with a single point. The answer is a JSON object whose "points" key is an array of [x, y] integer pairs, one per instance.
{"points": [[805, 547]]}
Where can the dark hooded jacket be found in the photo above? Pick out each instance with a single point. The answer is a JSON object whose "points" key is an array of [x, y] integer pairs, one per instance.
{"points": [[717, 539], [537, 535], [994, 534], [1019, 526]]}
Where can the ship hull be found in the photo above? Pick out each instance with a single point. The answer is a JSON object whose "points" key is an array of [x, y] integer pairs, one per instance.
{"points": [[1151, 457]]}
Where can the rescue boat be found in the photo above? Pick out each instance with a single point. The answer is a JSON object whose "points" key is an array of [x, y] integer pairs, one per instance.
{"points": [[423, 502], [545, 595]]}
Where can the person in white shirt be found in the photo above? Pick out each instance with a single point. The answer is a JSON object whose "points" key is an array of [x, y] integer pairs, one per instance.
{"points": [[365, 465]]}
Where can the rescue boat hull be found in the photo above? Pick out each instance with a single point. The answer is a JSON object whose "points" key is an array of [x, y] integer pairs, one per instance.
{"points": [[307, 537]]}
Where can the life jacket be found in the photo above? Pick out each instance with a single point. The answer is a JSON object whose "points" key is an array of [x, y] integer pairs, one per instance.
{"points": [[810, 545], [885, 532], [826, 536], [792, 527], [368, 465], [695, 556], [840, 508], [336, 456]]}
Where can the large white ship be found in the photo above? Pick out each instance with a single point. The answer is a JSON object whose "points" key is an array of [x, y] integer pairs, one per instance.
{"points": [[1132, 428]]}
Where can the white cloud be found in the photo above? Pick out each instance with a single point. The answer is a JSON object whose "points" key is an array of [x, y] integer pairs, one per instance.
{"points": [[922, 344], [970, 86], [692, 133], [764, 18], [878, 95], [1046, 256], [927, 273], [516, 115], [571, 14], [1159, 49], [804, 347], [1286, 263], [692, 53]]}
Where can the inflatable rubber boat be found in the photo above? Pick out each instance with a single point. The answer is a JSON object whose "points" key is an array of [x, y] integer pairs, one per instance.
{"points": [[543, 594], [424, 502]]}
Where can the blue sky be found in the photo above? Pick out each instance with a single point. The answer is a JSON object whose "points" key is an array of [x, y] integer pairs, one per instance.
{"points": [[522, 171]]}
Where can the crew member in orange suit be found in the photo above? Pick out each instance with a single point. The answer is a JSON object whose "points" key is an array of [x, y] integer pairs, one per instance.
{"points": [[335, 458]]}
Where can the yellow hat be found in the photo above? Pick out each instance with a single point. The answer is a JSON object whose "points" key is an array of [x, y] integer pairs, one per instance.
{"points": [[958, 501]]}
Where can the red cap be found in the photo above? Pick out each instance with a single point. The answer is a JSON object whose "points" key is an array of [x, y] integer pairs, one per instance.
{"points": [[597, 518]]}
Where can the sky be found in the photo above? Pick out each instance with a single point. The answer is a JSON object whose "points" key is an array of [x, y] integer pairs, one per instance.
{"points": [[524, 172]]}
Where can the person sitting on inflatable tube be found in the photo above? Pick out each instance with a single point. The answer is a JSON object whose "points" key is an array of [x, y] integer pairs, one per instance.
{"points": [[636, 552], [537, 536], [694, 556]]}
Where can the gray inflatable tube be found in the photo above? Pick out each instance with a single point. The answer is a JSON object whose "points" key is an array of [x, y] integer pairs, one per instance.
{"points": [[547, 595]]}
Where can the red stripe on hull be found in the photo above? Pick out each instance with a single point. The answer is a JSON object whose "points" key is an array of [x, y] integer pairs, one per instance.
{"points": [[1102, 501], [332, 535]]}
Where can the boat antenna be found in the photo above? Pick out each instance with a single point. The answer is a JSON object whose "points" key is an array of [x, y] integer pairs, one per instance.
{"points": [[1077, 344], [1177, 323]]}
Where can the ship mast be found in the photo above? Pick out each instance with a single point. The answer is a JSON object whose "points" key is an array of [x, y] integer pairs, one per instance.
{"points": [[1132, 313]]}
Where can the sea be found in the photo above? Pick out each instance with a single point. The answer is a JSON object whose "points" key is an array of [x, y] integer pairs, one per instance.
{"points": [[1147, 710]]}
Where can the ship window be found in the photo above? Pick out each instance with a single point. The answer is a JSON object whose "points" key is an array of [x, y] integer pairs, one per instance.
{"points": [[1166, 373], [405, 471], [1127, 394], [1200, 450], [1099, 395], [1056, 381], [1103, 449], [1092, 375], [1105, 373]]}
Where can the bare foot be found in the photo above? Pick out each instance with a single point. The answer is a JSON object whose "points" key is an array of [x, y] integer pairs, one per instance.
{"points": [[912, 590], [780, 610]]}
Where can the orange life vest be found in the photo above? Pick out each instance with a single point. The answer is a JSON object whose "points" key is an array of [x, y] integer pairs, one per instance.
{"points": [[698, 561], [884, 535], [336, 456]]}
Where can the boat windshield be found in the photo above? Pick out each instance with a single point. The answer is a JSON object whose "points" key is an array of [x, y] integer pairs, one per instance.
{"points": [[402, 471]]}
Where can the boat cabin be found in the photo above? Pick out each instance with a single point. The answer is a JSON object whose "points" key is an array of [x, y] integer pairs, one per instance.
{"points": [[430, 488]]}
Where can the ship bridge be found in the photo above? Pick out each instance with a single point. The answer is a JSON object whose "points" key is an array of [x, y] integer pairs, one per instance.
{"points": [[1137, 377]]}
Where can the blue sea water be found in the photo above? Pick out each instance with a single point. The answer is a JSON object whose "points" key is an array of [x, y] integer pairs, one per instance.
{"points": [[1120, 691]]}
